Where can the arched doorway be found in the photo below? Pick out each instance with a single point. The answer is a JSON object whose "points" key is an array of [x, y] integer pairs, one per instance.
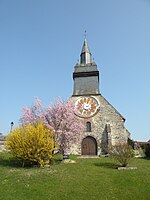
{"points": [[89, 146]]}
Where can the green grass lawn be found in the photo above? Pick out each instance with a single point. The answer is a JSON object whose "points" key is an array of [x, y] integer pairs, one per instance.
{"points": [[87, 179]]}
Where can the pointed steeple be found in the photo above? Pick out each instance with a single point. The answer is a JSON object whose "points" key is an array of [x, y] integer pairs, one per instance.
{"points": [[86, 74], [86, 56]]}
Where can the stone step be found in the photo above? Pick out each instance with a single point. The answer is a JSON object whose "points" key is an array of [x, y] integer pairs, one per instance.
{"points": [[88, 156]]}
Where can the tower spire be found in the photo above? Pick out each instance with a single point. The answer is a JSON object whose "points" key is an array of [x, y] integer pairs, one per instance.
{"points": [[85, 57]]}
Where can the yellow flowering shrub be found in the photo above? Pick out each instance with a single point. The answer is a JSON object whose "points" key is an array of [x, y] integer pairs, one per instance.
{"points": [[31, 143]]}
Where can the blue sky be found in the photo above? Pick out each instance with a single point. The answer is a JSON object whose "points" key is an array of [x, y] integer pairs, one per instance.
{"points": [[41, 41]]}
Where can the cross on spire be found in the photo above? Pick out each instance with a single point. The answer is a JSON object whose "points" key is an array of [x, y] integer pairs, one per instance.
{"points": [[85, 34], [85, 57]]}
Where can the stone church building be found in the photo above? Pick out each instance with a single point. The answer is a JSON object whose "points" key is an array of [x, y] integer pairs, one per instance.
{"points": [[104, 125]]}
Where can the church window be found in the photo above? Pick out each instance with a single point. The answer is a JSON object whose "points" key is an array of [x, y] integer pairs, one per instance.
{"points": [[88, 126]]}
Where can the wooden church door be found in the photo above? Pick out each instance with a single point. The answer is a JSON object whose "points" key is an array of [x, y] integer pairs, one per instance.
{"points": [[89, 146]]}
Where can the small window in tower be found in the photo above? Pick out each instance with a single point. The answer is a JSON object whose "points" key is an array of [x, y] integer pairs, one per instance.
{"points": [[88, 126]]}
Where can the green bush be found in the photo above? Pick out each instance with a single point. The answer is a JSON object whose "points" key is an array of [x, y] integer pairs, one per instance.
{"points": [[122, 153], [31, 144], [146, 148]]}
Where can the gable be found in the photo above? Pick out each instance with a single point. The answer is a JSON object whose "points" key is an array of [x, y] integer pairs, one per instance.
{"points": [[108, 107]]}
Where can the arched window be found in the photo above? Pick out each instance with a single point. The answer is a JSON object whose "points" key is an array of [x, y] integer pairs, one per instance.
{"points": [[88, 126]]}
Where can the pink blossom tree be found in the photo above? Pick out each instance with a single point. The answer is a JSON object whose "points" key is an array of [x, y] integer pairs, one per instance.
{"points": [[33, 114], [59, 118]]}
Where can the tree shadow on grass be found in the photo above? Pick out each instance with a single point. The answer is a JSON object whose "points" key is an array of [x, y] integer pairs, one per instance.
{"points": [[107, 165], [10, 162], [7, 160]]}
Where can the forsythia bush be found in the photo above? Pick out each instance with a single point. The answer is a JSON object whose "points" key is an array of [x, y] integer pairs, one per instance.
{"points": [[32, 143]]}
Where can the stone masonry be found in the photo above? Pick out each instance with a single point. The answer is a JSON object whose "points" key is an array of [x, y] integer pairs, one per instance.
{"points": [[107, 127], [104, 125]]}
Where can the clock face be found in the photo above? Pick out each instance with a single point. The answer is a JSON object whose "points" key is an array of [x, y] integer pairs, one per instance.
{"points": [[86, 106]]}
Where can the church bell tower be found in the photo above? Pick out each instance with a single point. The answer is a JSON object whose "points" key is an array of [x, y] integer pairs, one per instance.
{"points": [[103, 124], [86, 75]]}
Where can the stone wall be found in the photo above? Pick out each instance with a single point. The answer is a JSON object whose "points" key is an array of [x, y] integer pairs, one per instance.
{"points": [[107, 127], [2, 143]]}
